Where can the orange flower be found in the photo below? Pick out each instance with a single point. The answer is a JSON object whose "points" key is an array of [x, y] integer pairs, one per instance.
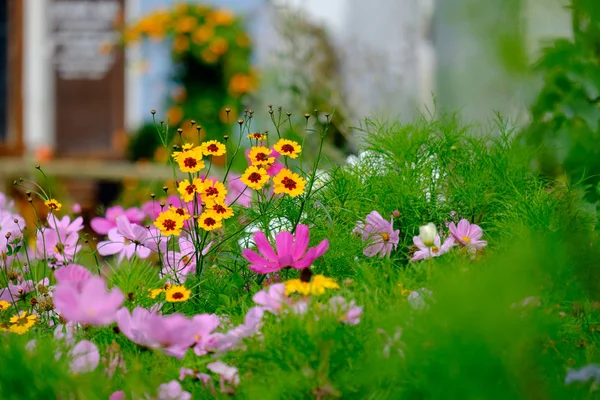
{"points": [[175, 115], [218, 46], [240, 84], [203, 34], [220, 17], [186, 24], [181, 44]]}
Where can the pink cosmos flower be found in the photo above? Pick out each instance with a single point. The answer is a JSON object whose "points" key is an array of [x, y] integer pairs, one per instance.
{"points": [[172, 391], [223, 342], [57, 247], [178, 265], [291, 251], [272, 299], [238, 190], [119, 395], [204, 325], [101, 225], [72, 273], [64, 224], [228, 375], [127, 239], [204, 378], [347, 311], [434, 251], [173, 333], [467, 234], [84, 357], [91, 305], [9, 223], [379, 235]]}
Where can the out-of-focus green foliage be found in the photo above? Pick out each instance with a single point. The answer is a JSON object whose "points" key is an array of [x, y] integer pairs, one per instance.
{"points": [[566, 115]]}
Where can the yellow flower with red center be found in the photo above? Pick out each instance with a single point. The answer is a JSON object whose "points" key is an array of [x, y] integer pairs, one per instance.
{"points": [[288, 182], [317, 285], [287, 148], [219, 209], [213, 148], [190, 161], [261, 155], [261, 137], [213, 190], [4, 305], [208, 221], [184, 149], [53, 205], [255, 177], [21, 323], [176, 293], [187, 190], [181, 211], [169, 223]]}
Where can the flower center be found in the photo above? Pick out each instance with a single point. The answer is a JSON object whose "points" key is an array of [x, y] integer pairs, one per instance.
{"points": [[190, 189], [385, 237], [466, 239], [177, 295], [190, 162], [287, 148], [257, 135], [289, 183], [169, 224], [181, 211], [209, 221], [262, 157], [212, 191], [53, 205], [254, 177], [213, 148], [59, 248], [219, 209], [434, 249]]}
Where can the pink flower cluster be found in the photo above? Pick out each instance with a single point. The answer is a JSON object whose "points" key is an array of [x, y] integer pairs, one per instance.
{"points": [[464, 234], [379, 234]]}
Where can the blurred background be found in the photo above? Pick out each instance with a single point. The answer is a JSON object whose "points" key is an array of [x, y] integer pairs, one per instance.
{"points": [[80, 77]]}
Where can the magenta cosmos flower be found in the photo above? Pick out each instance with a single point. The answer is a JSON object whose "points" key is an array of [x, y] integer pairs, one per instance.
{"points": [[126, 240], [90, 304], [467, 234], [434, 251], [291, 251], [101, 225], [73, 274], [379, 235]]}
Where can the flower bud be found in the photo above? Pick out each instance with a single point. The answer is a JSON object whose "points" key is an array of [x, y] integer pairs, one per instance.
{"points": [[428, 233], [396, 214]]}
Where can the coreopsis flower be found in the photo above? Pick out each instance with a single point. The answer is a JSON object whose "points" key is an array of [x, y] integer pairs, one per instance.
{"points": [[261, 137], [21, 323], [288, 182], [347, 312], [255, 177], [190, 161], [208, 221], [173, 333], [187, 190], [428, 233], [316, 285], [379, 235], [219, 209], [181, 211], [126, 240], [213, 190], [435, 250], [467, 234], [213, 148], [53, 205], [154, 293], [261, 156], [90, 304], [101, 225], [177, 293], [291, 251], [288, 148], [184, 149], [169, 223], [4, 305], [84, 357]]}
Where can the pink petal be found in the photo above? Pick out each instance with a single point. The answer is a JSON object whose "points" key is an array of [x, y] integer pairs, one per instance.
{"points": [[301, 241], [283, 243], [264, 247], [101, 225]]}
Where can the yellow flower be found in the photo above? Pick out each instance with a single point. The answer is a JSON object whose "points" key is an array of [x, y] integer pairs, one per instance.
{"points": [[176, 294], [220, 17], [190, 161], [181, 44], [186, 24], [22, 322], [255, 177], [288, 182], [53, 205], [184, 149], [4, 305], [287, 148], [261, 137], [154, 292], [213, 148], [261, 155], [316, 286], [203, 34], [218, 46], [213, 190], [219, 209], [181, 211], [188, 190], [208, 221], [240, 84], [169, 223]]}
